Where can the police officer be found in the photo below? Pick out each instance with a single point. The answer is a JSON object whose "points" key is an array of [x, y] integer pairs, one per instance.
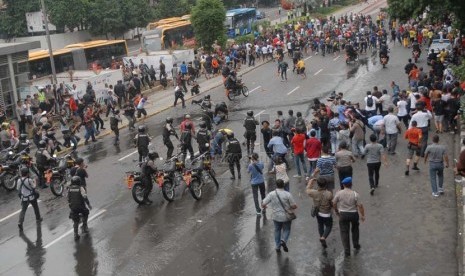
{"points": [[22, 143], [42, 162], [168, 130], [26, 187], [233, 155], [115, 119], [148, 168], [250, 135], [142, 141], [186, 141], [203, 137], [77, 200]]}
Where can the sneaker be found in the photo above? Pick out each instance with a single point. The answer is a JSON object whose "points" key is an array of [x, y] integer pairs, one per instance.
{"points": [[284, 245], [406, 173], [278, 250], [441, 191], [259, 213], [372, 191], [435, 194], [232, 178], [415, 168]]}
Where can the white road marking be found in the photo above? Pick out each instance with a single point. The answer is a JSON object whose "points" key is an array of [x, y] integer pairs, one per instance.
{"points": [[15, 213], [72, 230], [336, 58], [308, 57], [317, 72], [293, 90], [259, 113], [124, 157], [254, 89]]}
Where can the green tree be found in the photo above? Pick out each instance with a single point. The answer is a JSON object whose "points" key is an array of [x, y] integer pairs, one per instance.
{"points": [[13, 21], [208, 18], [61, 15], [171, 8]]}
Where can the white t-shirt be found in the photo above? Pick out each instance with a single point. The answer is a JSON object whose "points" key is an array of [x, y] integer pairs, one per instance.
{"points": [[402, 108], [390, 123], [373, 107]]}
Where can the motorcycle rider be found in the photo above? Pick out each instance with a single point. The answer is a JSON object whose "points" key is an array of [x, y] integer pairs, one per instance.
{"points": [[186, 141], [233, 155], [148, 168], [26, 187], [142, 141], [383, 50], [416, 48], [250, 125], [80, 170], [203, 138], [168, 130], [77, 200], [22, 143], [231, 82], [350, 52], [43, 158]]}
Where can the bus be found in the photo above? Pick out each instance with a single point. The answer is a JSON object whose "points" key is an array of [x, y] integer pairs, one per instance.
{"points": [[80, 56], [240, 21], [169, 36], [154, 25]]}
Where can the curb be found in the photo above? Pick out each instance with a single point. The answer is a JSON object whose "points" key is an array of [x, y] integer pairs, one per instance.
{"points": [[123, 126], [460, 193]]}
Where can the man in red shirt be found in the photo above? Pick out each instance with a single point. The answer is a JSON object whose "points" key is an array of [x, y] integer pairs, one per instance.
{"points": [[313, 149], [187, 119], [298, 143]]}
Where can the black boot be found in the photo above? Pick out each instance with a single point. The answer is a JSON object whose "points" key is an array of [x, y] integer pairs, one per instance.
{"points": [[76, 234], [232, 175], [239, 174]]}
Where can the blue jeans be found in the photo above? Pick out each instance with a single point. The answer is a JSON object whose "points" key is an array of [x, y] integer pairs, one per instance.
{"points": [[285, 227], [300, 158], [311, 167], [436, 175], [357, 147]]}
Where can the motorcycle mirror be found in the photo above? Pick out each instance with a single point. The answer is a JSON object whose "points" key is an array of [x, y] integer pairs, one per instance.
{"points": [[54, 156], [207, 145], [72, 144], [10, 152], [27, 141]]}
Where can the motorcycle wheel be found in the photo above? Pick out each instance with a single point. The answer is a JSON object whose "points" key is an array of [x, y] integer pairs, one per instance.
{"points": [[138, 191], [9, 181], [57, 186], [168, 190], [212, 175], [245, 91], [196, 189], [231, 95]]}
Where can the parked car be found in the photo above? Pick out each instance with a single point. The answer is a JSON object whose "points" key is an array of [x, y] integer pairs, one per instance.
{"points": [[437, 45], [260, 15]]}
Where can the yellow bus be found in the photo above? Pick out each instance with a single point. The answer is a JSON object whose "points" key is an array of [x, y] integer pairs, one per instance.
{"points": [[154, 25], [79, 56], [169, 36]]}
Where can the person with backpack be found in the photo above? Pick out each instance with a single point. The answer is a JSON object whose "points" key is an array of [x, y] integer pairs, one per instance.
{"points": [[115, 119], [28, 195], [370, 104], [257, 181]]}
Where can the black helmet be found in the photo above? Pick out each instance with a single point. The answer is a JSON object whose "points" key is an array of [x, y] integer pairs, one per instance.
{"points": [[202, 124], [153, 155], [207, 97], [230, 135], [250, 113], [116, 111], [79, 161], [46, 126], [141, 129], [23, 137], [169, 120], [24, 171], [42, 144], [75, 180]]}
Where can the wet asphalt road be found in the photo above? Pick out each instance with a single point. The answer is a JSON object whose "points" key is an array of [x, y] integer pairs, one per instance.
{"points": [[407, 232]]}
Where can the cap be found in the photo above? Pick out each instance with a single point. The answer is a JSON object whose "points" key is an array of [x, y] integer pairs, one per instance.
{"points": [[347, 180]]}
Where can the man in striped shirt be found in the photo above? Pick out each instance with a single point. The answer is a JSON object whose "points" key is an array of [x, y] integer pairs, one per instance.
{"points": [[325, 168]]}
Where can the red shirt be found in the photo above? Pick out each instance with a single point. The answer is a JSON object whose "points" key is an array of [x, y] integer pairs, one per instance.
{"points": [[298, 143], [313, 148]]}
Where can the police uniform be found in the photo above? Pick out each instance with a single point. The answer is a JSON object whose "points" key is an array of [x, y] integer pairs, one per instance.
{"points": [[234, 155], [77, 199], [250, 135], [148, 169], [168, 130], [42, 163], [203, 137], [142, 144], [186, 143]]}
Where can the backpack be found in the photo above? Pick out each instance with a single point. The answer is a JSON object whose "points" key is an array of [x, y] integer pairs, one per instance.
{"points": [[370, 101]]}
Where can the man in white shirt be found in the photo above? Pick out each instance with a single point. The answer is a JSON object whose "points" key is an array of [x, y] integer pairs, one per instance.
{"points": [[385, 102], [392, 127], [422, 117], [370, 104]]}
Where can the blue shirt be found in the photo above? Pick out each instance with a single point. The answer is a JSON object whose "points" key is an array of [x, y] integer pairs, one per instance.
{"points": [[326, 165], [340, 110], [256, 177], [183, 68], [277, 145], [373, 119]]}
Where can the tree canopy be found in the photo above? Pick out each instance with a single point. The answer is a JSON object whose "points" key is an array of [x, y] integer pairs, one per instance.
{"points": [[207, 19]]}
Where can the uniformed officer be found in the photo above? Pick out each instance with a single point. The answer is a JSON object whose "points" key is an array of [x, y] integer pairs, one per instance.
{"points": [[148, 168], [203, 138], [142, 141], [233, 155], [42, 162], [168, 130], [26, 187], [77, 200], [22, 143], [250, 135], [186, 141]]}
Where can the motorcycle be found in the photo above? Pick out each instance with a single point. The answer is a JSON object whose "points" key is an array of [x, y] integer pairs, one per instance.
{"points": [[238, 89], [60, 174], [384, 60], [134, 179], [10, 170], [415, 55], [201, 173], [173, 175], [351, 58]]}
